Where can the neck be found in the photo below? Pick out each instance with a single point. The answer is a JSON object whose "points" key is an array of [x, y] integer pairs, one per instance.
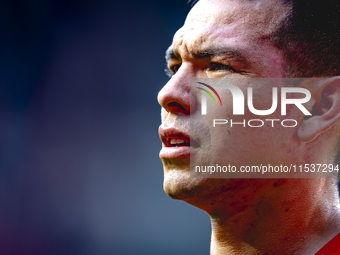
{"points": [[294, 219]]}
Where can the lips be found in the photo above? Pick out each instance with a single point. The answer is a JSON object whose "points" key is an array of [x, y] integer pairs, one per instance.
{"points": [[176, 140], [176, 143]]}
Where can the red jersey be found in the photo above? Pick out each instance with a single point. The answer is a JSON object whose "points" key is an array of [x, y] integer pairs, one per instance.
{"points": [[331, 248]]}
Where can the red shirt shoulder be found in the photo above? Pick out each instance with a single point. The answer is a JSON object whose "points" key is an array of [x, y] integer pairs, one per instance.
{"points": [[331, 248]]}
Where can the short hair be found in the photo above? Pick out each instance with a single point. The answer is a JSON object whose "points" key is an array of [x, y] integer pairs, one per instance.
{"points": [[309, 38]]}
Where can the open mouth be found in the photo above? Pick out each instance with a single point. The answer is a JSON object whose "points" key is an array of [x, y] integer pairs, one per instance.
{"points": [[177, 142], [172, 137]]}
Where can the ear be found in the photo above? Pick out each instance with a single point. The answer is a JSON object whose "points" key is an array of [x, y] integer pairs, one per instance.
{"points": [[325, 109]]}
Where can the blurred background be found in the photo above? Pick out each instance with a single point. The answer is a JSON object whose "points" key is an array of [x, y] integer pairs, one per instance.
{"points": [[79, 166]]}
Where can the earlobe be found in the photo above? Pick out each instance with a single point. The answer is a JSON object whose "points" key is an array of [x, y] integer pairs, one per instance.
{"points": [[325, 111]]}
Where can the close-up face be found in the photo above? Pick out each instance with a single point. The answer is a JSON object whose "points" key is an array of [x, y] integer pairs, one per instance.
{"points": [[227, 39]]}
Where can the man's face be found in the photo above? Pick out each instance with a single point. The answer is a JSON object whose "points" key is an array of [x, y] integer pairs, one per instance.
{"points": [[221, 38]]}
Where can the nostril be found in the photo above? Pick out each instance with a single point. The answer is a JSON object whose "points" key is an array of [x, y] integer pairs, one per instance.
{"points": [[176, 105]]}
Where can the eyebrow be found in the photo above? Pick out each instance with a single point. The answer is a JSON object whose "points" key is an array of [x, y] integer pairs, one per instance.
{"points": [[170, 54], [215, 51]]}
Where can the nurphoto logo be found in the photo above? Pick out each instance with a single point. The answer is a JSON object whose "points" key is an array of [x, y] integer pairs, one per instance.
{"points": [[238, 104], [238, 99]]}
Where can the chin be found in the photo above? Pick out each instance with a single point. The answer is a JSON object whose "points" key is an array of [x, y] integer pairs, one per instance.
{"points": [[178, 185], [199, 192]]}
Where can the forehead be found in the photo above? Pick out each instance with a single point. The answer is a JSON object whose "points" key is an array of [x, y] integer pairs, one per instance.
{"points": [[232, 22]]}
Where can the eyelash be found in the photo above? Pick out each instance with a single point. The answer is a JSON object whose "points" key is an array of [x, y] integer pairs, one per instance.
{"points": [[170, 71], [221, 67]]}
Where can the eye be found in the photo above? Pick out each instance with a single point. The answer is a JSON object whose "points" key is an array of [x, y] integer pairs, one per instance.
{"points": [[175, 68], [170, 71], [220, 67]]}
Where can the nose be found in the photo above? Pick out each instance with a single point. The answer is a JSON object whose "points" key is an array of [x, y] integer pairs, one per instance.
{"points": [[175, 96]]}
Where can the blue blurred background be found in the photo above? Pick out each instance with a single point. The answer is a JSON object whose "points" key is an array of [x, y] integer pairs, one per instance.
{"points": [[79, 166]]}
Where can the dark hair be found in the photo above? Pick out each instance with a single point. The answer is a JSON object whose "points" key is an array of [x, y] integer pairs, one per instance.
{"points": [[310, 38]]}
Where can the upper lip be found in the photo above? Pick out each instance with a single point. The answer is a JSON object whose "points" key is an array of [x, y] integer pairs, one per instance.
{"points": [[172, 136]]}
